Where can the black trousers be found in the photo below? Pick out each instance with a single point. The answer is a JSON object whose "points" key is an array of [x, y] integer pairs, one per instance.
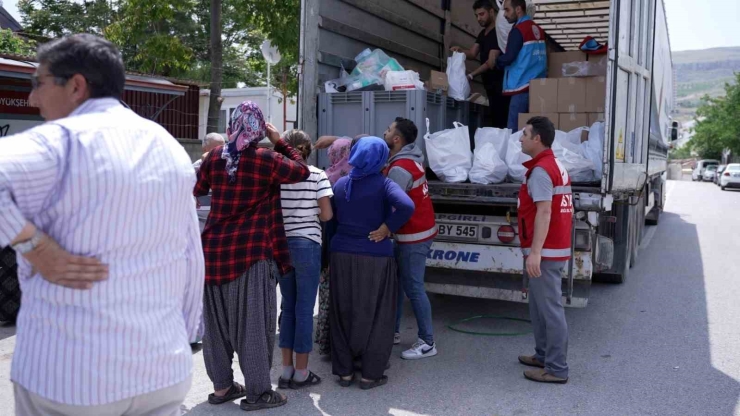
{"points": [[498, 104], [362, 314]]}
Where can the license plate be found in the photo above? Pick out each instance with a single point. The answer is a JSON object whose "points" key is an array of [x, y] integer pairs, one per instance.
{"points": [[736, 175], [459, 231]]}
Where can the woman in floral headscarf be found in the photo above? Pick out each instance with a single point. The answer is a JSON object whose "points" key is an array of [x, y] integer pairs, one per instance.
{"points": [[245, 251]]}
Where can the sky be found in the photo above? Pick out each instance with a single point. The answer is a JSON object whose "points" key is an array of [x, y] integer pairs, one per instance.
{"points": [[710, 25]]}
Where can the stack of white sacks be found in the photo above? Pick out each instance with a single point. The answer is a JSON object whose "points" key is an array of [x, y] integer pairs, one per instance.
{"points": [[498, 154]]}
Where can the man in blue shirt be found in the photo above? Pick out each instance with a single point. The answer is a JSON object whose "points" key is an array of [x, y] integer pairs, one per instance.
{"points": [[525, 58]]}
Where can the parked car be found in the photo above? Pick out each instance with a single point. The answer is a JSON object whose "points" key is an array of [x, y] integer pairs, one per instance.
{"points": [[696, 175], [709, 173], [720, 169], [730, 177]]}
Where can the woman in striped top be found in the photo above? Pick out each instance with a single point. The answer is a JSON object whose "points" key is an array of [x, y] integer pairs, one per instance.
{"points": [[304, 205]]}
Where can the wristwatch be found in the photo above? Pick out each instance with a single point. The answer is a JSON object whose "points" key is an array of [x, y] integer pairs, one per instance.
{"points": [[26, 246]]}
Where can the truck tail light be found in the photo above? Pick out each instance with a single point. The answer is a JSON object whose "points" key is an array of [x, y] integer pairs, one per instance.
{"points": [[506, 233]]}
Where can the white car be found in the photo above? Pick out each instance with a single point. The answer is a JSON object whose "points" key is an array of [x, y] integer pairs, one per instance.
{"points": [[709, 172], [696, 175], [730, 177]]}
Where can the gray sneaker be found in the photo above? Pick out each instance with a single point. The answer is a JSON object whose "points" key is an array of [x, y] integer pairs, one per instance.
{"points": [[420, 350]]}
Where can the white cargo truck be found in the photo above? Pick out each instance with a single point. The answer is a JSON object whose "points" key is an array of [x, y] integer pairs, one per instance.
{"points": [[476, 253]]}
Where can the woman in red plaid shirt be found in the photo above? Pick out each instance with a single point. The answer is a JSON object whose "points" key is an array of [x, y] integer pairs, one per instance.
{"points": [[246, 251]]}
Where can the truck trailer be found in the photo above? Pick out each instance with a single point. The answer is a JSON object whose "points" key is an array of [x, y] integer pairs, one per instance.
{"points": [[477, 253]]}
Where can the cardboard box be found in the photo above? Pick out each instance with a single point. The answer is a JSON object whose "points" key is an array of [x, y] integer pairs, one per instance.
{"points": [[543, 95], [524, 117], [573, 121], [598, 64], [572, 95], [595, 118], [557, 59], [438, 81], [595, 94]]}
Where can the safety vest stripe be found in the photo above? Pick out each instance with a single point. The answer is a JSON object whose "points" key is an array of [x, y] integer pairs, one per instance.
{"points": [[550, 252], [417, 183], [418, 236], [561, 190]]}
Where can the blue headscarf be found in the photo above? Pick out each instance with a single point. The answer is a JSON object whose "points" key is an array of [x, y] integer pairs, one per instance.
{"points": [[368, 157]]}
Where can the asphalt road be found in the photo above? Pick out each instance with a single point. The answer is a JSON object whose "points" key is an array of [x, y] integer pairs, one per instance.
{"points": [[664, 343]]}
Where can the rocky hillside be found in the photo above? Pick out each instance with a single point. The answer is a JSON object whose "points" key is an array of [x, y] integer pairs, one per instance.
{"points": [[703, 72]]}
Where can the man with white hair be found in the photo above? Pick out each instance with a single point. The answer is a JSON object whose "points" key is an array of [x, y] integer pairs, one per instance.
{"points": [[210, 142]]}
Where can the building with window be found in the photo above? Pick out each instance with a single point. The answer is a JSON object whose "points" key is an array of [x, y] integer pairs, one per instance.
{"points": [[281, 113]]}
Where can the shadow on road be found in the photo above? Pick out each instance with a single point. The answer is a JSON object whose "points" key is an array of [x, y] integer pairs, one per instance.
{"points": [[7, 330]]}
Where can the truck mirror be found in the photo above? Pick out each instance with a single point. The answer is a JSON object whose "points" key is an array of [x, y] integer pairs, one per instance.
{"points": [[674, 131]]}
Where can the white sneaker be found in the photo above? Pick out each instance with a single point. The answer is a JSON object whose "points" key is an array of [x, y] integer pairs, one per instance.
{"points": [[420, 350], [397, 338]]}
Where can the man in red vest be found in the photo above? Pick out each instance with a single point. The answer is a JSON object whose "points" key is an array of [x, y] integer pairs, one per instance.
{"points": [[545, 220], [414, 239]]}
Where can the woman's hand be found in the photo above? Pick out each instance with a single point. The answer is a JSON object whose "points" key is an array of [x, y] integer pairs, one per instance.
{"points": [[324, 142], [272, 133], [380, 234]]}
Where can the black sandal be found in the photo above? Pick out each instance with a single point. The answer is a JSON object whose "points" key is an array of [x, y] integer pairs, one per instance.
{"points": [[267, 400], [311, 380], [283, 383], [346, 383], [367, 385], [235, 391]]}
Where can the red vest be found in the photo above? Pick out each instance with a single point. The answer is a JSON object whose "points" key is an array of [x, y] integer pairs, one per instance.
{"points": [[422, 225], [557, 245]]}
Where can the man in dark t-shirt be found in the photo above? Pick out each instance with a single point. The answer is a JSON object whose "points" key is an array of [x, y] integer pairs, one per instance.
{"points": [[486, 49]]}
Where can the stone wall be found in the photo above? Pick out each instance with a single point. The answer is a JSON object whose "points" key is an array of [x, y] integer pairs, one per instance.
{"points": [[193, 147]]}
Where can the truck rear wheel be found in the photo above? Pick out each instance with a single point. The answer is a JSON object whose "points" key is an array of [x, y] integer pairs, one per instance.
{"points": [[10, 291], [624, 240]]}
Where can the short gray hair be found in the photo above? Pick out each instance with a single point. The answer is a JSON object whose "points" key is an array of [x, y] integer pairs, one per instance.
{"points": [[213, 138]]}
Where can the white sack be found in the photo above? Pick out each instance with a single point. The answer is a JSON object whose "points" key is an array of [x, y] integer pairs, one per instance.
{"points": [[457, 78], [515, 158], [487, 165], [448, 152]]}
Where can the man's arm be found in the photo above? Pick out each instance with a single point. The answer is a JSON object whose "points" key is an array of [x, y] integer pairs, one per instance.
{"points": [[30, 167], [401, 177], [29, 170], [489, 65], [540, 186], [513, 47], [192, 307], [471, 53]]}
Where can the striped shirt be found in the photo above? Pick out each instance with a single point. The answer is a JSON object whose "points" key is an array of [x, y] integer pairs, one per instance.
{"points": [[108, 184], [300, 203]]}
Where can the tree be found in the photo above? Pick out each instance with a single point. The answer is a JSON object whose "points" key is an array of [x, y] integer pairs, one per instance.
{"points": [[148, 34], [56, 18], [214, 107], [718, 126], [172, 37], [683, 152], [12, 44]]}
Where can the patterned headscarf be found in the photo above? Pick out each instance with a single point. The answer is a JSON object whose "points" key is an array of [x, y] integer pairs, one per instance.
{"points": [[367, 158], [246, 127], [339, 159]]}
